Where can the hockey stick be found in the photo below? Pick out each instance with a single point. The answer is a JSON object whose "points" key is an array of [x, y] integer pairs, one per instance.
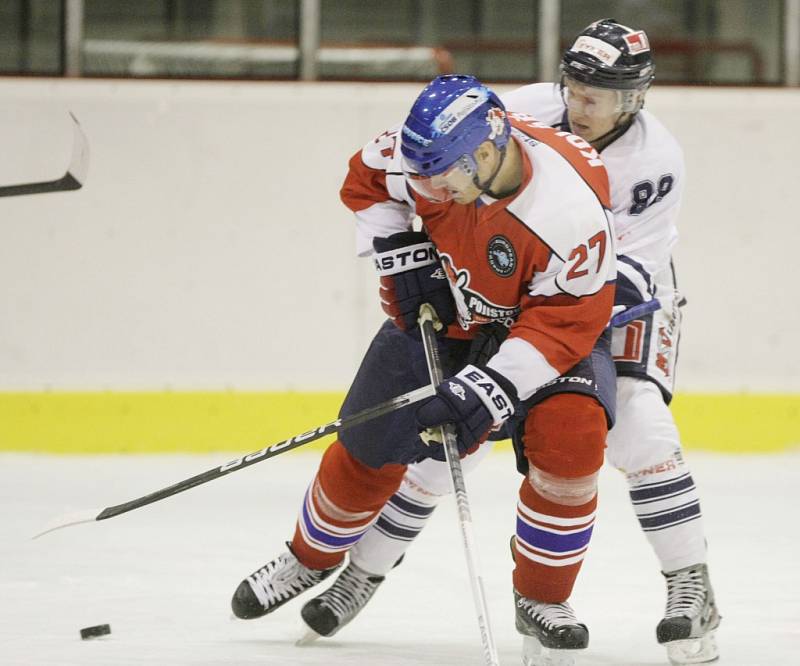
{"points": [[271, 451], [72, 180], [635, 312], [427, 320]]}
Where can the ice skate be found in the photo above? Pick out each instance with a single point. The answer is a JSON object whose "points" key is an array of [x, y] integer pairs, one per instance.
{"points": [[274, 584], [328, 612], [687, 630], [552, 633]]}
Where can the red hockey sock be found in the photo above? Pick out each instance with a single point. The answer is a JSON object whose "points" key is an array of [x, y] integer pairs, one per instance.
{"points": [[340, 505], [564, 443], [551, 541]]}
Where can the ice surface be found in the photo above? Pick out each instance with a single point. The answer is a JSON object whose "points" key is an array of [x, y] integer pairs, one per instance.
{"points": [[162, 576]]}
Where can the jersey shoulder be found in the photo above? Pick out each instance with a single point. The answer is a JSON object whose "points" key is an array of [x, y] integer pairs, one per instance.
{"points": [[561, 205], [376, 173], [540, 100], [647, 145], [535, 134], [383, 152]]}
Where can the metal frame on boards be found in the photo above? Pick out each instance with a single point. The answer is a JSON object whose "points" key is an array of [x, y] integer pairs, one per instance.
{"points": [[548, 39]]}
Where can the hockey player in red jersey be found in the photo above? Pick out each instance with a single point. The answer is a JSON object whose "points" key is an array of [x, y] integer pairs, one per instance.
{"points": [[606, 73], [516, 233]]}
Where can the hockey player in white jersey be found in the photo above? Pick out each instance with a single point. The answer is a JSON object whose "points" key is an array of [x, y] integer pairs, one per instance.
{"points": [[605, 76]]}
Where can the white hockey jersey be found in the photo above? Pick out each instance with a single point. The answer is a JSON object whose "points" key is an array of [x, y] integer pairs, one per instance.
{"points": [[646, 172]]}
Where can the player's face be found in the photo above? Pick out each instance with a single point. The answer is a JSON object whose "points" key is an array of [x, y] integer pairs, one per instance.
{"points": [[454, 183], [592, 112]]}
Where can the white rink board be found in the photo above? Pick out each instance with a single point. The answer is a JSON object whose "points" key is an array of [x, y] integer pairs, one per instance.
{"points": [[162, 576], [209, 249]]}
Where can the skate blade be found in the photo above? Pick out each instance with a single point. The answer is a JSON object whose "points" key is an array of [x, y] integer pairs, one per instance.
{"points": [[307, 639], [701, 650], [535, 654]]}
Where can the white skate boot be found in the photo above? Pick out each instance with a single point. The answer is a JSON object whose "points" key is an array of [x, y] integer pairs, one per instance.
{"points": [[687, 630]]}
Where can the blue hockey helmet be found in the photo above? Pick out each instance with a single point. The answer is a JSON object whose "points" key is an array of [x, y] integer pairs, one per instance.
{"points": [[452, 116]]}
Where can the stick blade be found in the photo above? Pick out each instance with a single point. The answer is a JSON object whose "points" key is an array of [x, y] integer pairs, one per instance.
{"points": [[74, 177], [69, 519]]}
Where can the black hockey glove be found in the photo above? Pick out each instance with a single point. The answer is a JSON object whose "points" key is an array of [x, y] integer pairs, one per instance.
{"points": [[483, 346], [411, 275], [476, 400], [486, 343]]}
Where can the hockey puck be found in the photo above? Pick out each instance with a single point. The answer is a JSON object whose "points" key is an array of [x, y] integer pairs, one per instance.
{"points": [[96, 631]]}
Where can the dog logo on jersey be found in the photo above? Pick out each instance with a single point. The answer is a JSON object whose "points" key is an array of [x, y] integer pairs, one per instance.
{"points": [[502, 257], [473, 307]]}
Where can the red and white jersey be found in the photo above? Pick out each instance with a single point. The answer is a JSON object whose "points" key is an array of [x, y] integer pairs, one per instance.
{"points": [[541, 261], [646, 171]]}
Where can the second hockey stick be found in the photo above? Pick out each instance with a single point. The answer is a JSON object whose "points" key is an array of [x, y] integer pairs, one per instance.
{"points": [[236, 464], [636, 312], [427, 317], [73, 179]]}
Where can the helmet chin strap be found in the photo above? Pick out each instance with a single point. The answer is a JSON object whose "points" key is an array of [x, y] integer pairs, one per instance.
{"points": [[614, 133], [486, 186]]}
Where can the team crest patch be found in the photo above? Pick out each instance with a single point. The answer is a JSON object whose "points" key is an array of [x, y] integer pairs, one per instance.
{"points": [[502, 257]]}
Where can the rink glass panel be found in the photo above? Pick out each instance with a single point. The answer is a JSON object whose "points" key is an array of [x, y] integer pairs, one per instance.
{"points": [[701, 42]]}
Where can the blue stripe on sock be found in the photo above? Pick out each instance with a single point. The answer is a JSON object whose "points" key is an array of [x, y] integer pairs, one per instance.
{"points": [[407, 506], [666, 527], [657, 491], [667, 519], [395, 531], [554, 542], [325, 537]]}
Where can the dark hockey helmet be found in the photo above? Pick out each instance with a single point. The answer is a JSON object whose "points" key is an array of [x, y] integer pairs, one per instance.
{"points": [[610, 55], [452, 116]]}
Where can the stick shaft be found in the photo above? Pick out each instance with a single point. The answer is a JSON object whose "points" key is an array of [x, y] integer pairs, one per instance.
{"points": [[458, 485], [271, 451]]}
